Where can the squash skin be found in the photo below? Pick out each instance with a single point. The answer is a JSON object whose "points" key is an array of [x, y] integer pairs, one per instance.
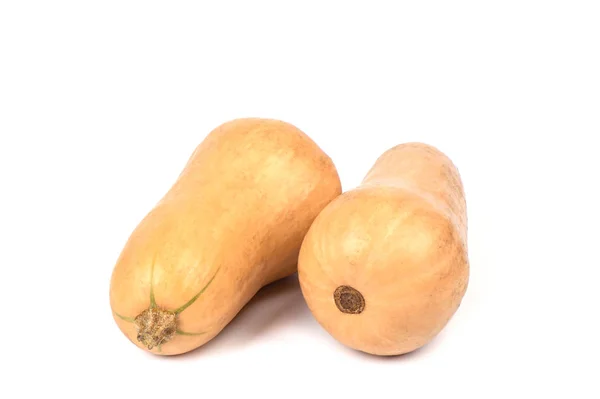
{"points": [[238, 213], [400, 239]]}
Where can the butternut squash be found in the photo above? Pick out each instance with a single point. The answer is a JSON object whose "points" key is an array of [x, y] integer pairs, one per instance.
{"points": [[384, 266], [232, 222]]}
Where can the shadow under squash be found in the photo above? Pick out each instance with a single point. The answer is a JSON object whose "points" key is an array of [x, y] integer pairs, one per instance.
{"points": [[279, 305], [274, 306]]}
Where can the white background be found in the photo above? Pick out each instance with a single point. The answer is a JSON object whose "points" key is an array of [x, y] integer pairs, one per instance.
{"points": [[101, 104]]}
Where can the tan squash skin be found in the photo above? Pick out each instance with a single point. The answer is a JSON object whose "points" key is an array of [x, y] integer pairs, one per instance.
{"points": [[232, 222], [400, 240]]}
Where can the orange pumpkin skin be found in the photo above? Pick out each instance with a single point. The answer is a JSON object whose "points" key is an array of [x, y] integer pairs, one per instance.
{"points": [[232, 222], [384, 266]]}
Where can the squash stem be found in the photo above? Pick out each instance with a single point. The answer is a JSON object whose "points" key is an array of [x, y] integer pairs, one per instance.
{"points": [[155, 327]]}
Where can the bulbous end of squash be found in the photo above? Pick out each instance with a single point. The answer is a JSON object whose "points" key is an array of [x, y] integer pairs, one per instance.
{"points": [[155, 326]]}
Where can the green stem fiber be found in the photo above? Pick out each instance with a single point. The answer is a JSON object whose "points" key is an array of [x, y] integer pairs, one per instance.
{"points": [[191, 301]]}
